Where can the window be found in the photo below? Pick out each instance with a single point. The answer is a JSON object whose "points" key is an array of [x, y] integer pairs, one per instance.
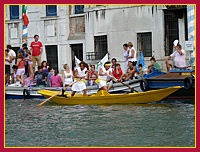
{"points": [[14, 12], [100, 48], [79, 9], [171, 30], [51, 10], [144, 43]]}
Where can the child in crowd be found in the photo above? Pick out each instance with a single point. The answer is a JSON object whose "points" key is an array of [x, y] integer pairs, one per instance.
{"points": [[153, 66], [40, 77], [13, 76], [140, 72], [50, 73]]}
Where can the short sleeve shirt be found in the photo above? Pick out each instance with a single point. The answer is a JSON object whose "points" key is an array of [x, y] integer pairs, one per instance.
{"points": [[179, 60], [36, 46]]}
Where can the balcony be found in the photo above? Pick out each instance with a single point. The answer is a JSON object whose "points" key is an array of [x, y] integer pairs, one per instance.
{"points": [[95, 55]]}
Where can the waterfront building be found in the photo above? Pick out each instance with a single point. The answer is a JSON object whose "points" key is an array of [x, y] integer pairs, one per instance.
{"points": [[90, 31]]}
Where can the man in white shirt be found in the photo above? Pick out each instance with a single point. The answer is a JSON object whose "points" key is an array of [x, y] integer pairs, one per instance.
{"points": [[13, 57], [178, 57]]}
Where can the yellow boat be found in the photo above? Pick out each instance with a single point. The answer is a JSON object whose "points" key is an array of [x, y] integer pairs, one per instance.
{"points": [[103, 97]]}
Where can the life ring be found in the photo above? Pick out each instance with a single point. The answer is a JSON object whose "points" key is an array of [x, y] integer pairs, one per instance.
{"points": [[144, 85], [26, 94], [188, 83]]}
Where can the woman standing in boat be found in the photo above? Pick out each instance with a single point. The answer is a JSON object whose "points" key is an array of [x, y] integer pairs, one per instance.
{"points": [[132, 54], [103, 73], [80, 76], [21, 67], [67, 76]]}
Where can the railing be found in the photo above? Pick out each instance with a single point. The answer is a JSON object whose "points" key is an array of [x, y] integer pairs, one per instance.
{"points": [[95, 55]]}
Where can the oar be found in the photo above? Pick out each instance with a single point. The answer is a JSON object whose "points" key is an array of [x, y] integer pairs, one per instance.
{"points": [[132, 89], [57, 93]]}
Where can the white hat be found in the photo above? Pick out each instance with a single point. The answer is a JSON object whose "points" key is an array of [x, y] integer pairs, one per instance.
{"points": [[175, 42]]}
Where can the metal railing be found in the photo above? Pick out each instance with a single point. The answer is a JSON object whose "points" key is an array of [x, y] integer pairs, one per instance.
{"points": [[95, 55]]}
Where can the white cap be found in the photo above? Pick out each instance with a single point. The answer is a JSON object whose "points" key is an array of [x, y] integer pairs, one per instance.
{"points": [[175, 42]]}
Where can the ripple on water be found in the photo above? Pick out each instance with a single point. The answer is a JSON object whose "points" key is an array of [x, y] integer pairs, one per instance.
{"points": [[115, 125]]}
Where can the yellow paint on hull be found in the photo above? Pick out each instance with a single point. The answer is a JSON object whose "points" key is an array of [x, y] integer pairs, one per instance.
{"points": [[102, 97]]}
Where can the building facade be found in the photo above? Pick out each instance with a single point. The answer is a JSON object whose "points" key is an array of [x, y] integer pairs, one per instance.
{"points": [[90, 31]]}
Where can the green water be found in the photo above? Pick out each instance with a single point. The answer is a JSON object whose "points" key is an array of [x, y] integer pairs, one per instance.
{"points": [[164, 124]]}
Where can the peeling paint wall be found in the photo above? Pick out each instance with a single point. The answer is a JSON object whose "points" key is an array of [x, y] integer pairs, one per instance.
{"points": [[121, 25]]}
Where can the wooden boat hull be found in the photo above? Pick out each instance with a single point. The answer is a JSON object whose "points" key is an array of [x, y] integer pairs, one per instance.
{"points": [[103, 98]]}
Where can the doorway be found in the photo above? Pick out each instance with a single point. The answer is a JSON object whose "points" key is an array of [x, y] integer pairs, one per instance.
{"points": [[77, 50], [52, 55]]}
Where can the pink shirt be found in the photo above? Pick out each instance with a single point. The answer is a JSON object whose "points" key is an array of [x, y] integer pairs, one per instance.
{"points": [[36, 46], [179, 60], [56, 81]]}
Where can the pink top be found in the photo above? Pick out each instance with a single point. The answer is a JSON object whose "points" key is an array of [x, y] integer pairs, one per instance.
{"points": [[179, 60], [56, 81]]}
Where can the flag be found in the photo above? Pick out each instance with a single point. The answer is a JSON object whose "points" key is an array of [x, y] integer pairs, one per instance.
{"points": [[24, 15], [141, 61], [101, 63], [77, 61]]}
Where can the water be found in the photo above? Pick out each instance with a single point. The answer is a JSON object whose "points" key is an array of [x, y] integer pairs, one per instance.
{"points": [[171, 124]]}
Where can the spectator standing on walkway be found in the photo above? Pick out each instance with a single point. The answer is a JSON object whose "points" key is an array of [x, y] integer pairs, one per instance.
{"points": [[7, 66], [36, 48], [12, 57]]}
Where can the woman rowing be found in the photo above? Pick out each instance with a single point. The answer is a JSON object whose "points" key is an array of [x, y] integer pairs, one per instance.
{"points": [[103, 73], [80, 76]]}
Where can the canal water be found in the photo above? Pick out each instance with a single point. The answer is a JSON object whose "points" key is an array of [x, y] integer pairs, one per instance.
{"points": [[164, 124]]}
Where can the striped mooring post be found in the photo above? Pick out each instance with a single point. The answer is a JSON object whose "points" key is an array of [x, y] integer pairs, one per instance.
{"points": [[191, 32]]}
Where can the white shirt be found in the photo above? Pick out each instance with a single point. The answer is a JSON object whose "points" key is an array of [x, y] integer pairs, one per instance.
{"points": [[130, 54], [104, 72], [125, 55], [81, 73], [12, 54], [6, 62], [68, 77], [179, 60]]}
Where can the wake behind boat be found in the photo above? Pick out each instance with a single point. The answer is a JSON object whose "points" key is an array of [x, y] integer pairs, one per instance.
{"points": [[103, 97]]}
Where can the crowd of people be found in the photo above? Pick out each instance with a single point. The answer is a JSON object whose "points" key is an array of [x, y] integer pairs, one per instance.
{"points": [[83, 75]]}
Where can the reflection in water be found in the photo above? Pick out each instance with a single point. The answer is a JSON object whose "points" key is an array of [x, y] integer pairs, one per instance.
{"points": [[159, 124]]}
